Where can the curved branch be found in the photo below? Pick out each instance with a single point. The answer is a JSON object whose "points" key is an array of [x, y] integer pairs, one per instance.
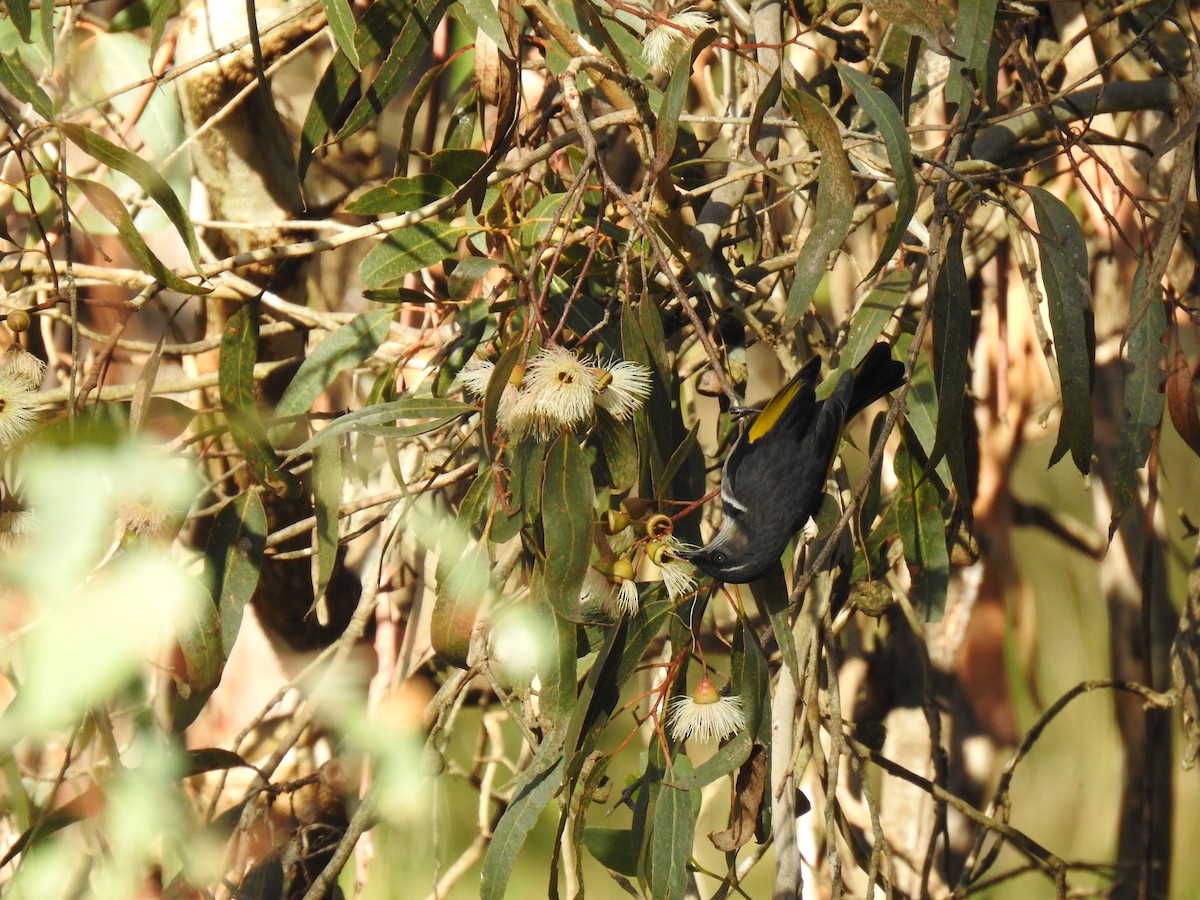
{"points": [[1004, 140]]}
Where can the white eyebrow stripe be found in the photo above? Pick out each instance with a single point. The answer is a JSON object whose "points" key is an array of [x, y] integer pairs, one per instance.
{"points": [[728, 498]]}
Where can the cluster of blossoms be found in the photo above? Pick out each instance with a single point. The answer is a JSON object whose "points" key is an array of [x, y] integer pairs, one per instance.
{"points": [[558, 389], [612, 585], [20, 377]]}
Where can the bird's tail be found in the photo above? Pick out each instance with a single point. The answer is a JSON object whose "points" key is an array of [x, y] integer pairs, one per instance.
{"points": [[876, 375]]}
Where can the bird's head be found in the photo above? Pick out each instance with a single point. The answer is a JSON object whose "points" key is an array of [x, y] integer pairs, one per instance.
{"points": [[731, 556]]}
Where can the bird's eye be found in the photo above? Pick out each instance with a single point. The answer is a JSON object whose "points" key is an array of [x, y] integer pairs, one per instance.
{"points": [[720, 558]]}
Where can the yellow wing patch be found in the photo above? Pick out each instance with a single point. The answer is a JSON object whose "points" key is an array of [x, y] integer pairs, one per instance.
{"points": [[766, 419]]}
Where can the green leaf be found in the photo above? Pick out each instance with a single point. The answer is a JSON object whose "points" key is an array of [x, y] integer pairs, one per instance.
{"points": [[612, 848], [481, 504], [487, 20], [1144, 400], [235, 551], [198, 670], [348, 346], [678, 459], [379, 27], [918, 17], [770, 594], [131, 17], [436, 412], [951, 319], [879, 106], [557, 669], [727, 759], [474, 321], [642, 630], [239, 351], [212, 759], [235, 548], [147, 178], [416, 102], [972, 41], [463, 581], [466, 277], [533, 792], [23, 86], [764, 104], [620, 452], [161, 12], [596, 700], [568, 517], [666, 126], [835, 203], [46, 35], [406, 54], [921, 404], [20, 16], [342, 24], [327, 499], [1064, 260], [143, 388], [397, 295], [495, 392], [750, 677], [537, 222], [334, 87], [672, 833], [409, 250], [109, 205], [401, 195], [869, 319], [922, 530], [383, 388], [657, 424]]}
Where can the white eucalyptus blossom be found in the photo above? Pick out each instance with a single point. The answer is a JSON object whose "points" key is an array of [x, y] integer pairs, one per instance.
{"points": [[664, 46], [705, 715], [476, 375], [623, 387], [17, 417], [23, 365], [561, 389]]}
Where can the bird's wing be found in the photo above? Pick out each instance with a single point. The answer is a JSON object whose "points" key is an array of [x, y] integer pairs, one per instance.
{"points": [[804, 380]]}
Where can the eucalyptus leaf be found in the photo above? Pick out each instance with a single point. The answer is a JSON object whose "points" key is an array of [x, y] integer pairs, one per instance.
{"points": [[1144, 399], [673, 830], [148, 179], [1065, 273], [922, 530], [239, 352], [344, 348], [568, 518], [883, 112], [327, 499], [409, 250], [834, 207]]}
